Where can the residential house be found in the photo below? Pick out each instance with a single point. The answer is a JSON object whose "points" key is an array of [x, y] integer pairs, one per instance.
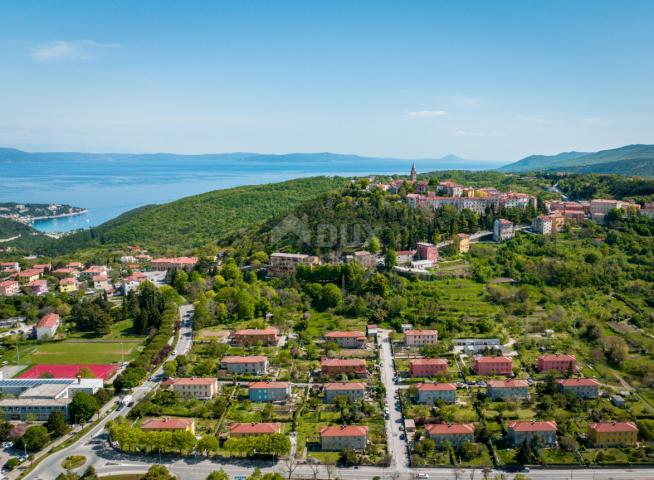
{"points": [[38, 286], [365, 258], [581, 387], [43, 266], [432, 392], [47, 327], [68, 285], [404, 256], [427, 251], [503, 230], [474, 345], [254, 429], [255, 365], [353, 391], [332, 367], [10, 266], [196, 387], [618, 401], [9, 287], [101, 282], [130, 283], [422, 264], [94, 271], [610, 434], [75, 265], [372, 330], [143, 258], [558, 362], [498, 389], [464, 242], [603, 206], [542, 225], [418, 338], [180, 263], [127, 259], [252, 336], [518, 432], [450, 188], [167, 424], [286, 263], [406, 327], [347, 339], [66, 272], [27, 276], [427, 367], [493, 365], [339, 438], [455, 433], [269, 391]]}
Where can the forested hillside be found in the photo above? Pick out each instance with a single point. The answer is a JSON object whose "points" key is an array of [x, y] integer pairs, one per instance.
{"points": [[27, 239], [198, 220], [579, 186]]}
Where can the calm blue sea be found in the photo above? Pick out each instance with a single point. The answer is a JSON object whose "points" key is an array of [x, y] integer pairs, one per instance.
{"points": [[108, 188]]}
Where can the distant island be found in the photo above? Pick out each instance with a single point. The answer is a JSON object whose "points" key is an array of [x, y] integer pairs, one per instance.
{"points": [[28, 212]]}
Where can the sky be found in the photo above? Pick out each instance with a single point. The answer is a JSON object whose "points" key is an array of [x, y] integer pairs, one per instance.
{"points": [[481, 80]]}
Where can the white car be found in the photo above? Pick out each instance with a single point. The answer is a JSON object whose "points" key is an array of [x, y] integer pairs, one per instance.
{"points": [[423, 475], [175, 352]]}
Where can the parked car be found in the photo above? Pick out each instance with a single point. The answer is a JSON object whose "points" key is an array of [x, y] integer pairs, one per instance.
{"points": [[423, 475]]}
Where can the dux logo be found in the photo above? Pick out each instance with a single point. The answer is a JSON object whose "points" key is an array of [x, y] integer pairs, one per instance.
{"points": [[290, 224]]}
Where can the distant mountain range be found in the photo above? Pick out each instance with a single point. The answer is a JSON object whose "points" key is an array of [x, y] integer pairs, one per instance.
{"points": [[12, 155], [629, 160]]}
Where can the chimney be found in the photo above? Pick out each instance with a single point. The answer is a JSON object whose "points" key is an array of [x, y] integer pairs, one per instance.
{"points": [[79, 379]]}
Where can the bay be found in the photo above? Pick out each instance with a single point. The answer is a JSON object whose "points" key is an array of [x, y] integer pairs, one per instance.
{"points": [[109, 188]]}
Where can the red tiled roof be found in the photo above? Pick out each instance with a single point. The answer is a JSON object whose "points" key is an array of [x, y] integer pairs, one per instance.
{"points": [[8, 283], [48, 321], [428, 361], [194, 381], [533, 426], [601, 200], [95, 269], [342, 362], [492, 359], [578, 382], [404, 252], [256, 331], [463, 235], [36, 283], [421, 332], [345, 386], [344, 334], [74, 264], [65, 270], [257, 385], [445, 428], [265, 428], [166, 423], [507, 383], [100, 278], [43, 266], [235, 359], [435, 387], [550, 358], [344, 431], [613, 427], [30, 273]]}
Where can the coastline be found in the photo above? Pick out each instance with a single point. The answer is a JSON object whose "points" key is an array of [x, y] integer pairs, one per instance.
{"points": [[58, 216]]}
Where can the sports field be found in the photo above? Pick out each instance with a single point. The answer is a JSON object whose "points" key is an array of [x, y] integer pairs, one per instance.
{"points": [[80, 353], [70, 371]]}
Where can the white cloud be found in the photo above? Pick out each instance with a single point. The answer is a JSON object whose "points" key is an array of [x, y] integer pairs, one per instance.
{"points": [[461, 132], [498, 133], [68, 51], [427, 113], [602, 122]]}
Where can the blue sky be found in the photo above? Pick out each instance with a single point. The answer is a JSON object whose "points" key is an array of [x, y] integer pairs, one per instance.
{"points": [[483, 80]]}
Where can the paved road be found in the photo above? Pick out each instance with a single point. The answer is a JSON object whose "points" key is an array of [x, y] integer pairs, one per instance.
{"points": [[94, 444], [396, 448]]}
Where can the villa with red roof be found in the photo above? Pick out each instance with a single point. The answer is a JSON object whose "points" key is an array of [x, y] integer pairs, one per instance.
{"points": [[455, 433], [341, 437], [496, 389], [431, 392], [68, 285], [47, 327], [418, 338], [163, 264], [269, 391], [38, 286], [66, 272], [427, 367], [252, 336], [519, 431], [30, 275], [254, 429], [332, 367], [196, 387], [612, 434], [558, 362], [254, 365], [354, 391], [75, 265], [101, 282], [496, 365], [94, 271], [9, 287], [10, 266], [166, 424], [347, 339], [581, 387]]}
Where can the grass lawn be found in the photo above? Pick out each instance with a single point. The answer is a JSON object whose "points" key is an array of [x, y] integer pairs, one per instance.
{"points": [[77, 353], [119, 331], [553, 455], [323, 456]]}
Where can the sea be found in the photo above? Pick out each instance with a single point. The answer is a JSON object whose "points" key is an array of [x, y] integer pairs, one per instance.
{"points": [[109, 188]]}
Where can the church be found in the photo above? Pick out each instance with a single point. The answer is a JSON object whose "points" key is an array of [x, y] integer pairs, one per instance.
{"points": [[414, 174]]}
